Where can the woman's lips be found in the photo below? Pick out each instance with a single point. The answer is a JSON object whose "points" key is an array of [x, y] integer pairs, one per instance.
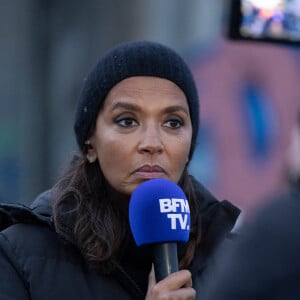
{"points": [[150, 172]]}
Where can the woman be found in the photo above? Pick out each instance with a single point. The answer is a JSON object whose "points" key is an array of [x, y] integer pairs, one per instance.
{"points": [[137, 119]]}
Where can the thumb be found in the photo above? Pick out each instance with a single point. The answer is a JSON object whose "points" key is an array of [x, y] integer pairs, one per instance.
{"points": [[151, 279]]}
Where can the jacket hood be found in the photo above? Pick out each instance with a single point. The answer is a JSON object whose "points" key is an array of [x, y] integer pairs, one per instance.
{"points": [[43, 204], [40, 212], [218, 217]]}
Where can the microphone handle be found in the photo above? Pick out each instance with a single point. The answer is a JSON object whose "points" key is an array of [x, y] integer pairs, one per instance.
{"points": [[165, 260]]}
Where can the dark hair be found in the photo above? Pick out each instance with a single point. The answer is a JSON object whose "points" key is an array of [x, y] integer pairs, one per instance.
{"points": [[85, 215]]}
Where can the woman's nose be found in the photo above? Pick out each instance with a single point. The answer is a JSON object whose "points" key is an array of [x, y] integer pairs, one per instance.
{"points": [[151, 141]]}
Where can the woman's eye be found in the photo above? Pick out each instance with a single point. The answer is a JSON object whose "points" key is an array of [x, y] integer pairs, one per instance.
{"points": [[174, 123], [126, 122]]}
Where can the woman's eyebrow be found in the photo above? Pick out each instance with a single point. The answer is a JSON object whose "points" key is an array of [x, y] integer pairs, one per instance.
{"points": [[176, 108], [135, 107], [125, 105]]}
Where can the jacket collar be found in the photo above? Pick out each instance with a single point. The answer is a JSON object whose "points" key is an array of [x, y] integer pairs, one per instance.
{"points": [[218, 217]]}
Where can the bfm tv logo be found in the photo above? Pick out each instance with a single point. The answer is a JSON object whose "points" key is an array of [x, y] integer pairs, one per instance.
{"points": [[177, 211]]}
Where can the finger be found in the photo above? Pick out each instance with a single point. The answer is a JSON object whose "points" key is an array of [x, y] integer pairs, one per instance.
{"points": [[183, 293], [189, 281], [180, 279], [176, 280], [151, 279]]}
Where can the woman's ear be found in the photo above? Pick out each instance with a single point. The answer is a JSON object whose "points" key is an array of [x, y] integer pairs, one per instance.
{"points": [[91, 154]]}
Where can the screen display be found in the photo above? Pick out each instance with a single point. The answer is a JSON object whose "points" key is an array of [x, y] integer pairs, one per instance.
{"points": [[270, 19]]}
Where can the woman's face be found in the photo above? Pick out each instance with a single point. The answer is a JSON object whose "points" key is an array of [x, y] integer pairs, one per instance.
{"points": [[143, 131]]}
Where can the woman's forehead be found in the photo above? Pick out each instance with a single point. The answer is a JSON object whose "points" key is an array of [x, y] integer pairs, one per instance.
{"points": [[136, 88]]}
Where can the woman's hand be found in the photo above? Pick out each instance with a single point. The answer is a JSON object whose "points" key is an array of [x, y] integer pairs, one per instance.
{"points": [[177, 285]]}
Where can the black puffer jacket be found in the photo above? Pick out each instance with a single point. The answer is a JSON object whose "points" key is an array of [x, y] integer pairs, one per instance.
{"points": [[36, 264]]}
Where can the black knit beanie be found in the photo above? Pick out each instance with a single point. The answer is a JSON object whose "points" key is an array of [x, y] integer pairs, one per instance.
{"points": [[141, 58]]}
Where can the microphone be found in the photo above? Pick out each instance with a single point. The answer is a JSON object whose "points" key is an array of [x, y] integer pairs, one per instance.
{"points": [[159, 215]]}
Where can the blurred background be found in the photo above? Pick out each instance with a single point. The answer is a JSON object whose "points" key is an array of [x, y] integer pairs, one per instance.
{"points": [[249, 92]]}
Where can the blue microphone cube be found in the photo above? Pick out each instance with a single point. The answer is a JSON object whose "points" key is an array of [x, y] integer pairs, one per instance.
{"points": [[159, 213]]}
